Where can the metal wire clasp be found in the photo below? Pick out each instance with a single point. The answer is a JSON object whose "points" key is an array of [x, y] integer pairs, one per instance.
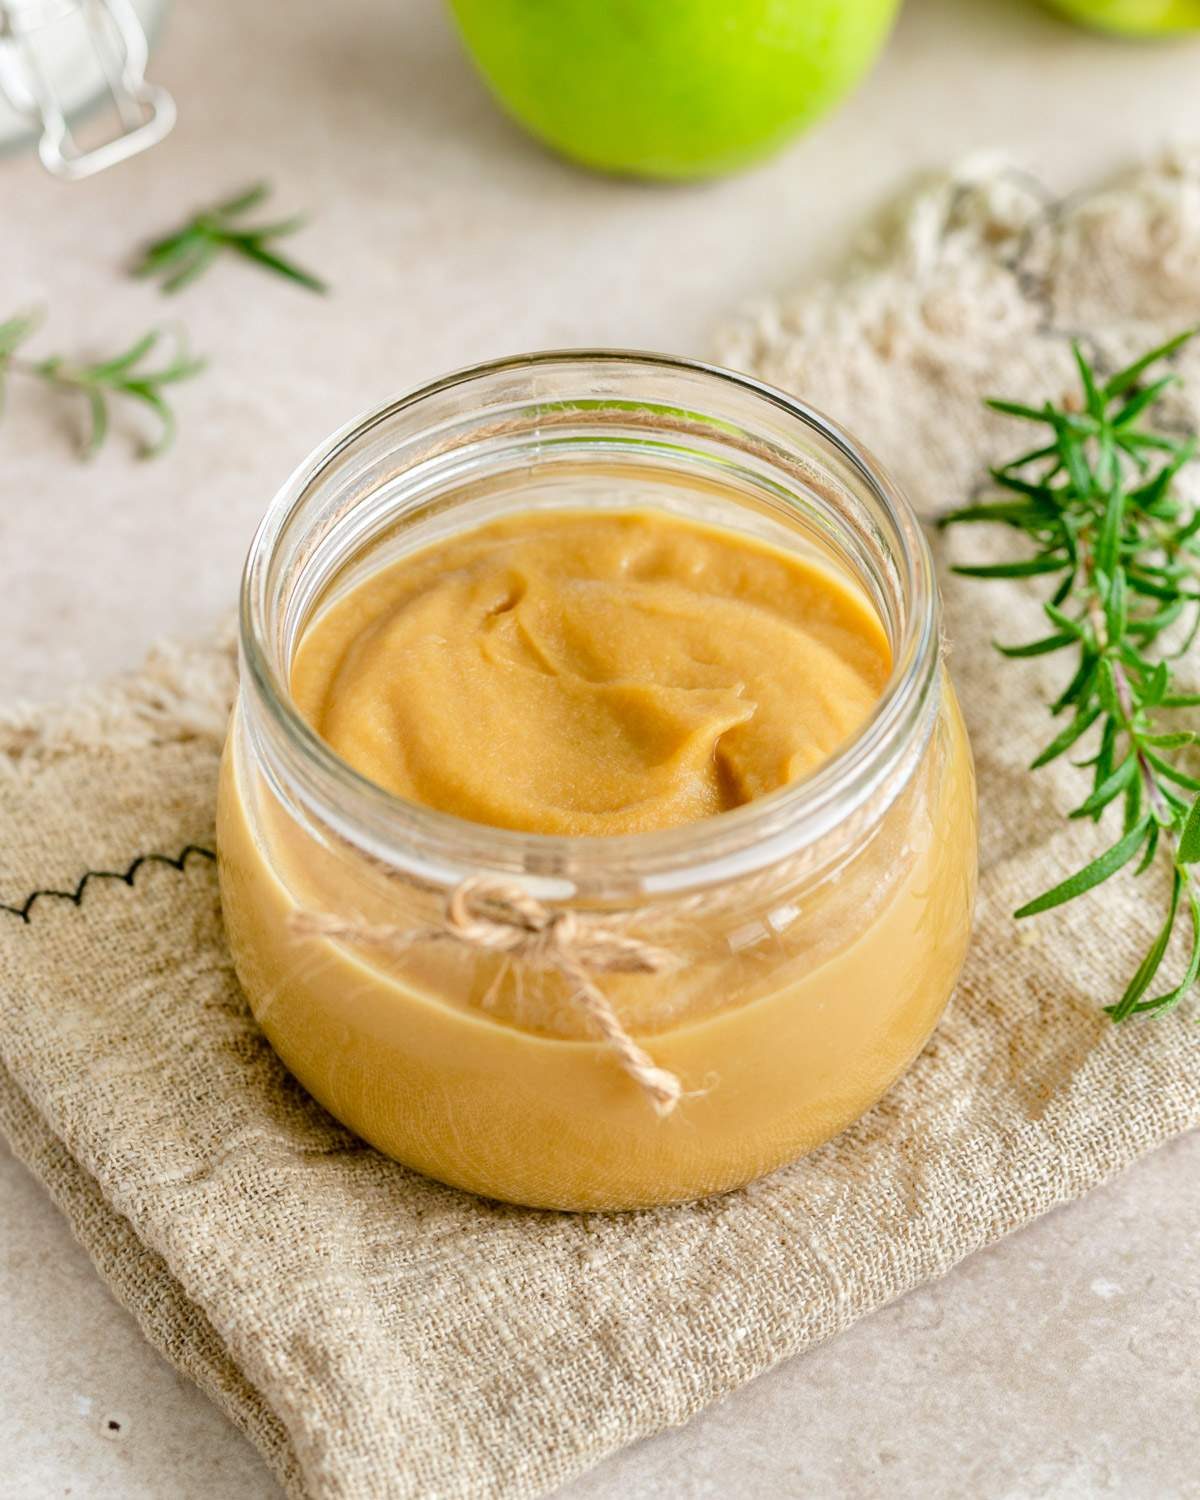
{"points": [[117, 45]]}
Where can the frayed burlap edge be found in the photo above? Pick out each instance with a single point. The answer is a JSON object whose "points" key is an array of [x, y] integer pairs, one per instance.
{"points": [[183, 691]]}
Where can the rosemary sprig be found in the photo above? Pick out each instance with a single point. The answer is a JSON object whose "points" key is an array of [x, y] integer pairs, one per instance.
{"points": [[122, 375], [1099, 503], [179, 258]]}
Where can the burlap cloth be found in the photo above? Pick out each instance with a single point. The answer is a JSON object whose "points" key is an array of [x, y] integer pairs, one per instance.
{"points": [[379, 1335]]}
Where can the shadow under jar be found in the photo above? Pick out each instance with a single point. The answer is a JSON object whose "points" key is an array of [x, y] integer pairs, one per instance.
{"points": [[813, 935]]}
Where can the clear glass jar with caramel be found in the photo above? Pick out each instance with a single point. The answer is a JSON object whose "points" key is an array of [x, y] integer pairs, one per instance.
{"points": [[596, 1021]]}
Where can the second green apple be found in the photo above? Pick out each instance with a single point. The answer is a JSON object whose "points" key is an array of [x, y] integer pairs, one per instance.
{"points": [[1134, 17]]}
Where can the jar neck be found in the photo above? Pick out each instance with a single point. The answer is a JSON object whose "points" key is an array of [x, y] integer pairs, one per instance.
{"points": [[569, 430]]}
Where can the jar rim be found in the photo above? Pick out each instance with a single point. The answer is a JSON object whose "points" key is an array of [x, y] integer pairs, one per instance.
{"points": [[739, 841]]}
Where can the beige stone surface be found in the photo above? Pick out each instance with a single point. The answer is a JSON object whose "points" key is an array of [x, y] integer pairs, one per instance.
{"points": [[1052, 1365]]}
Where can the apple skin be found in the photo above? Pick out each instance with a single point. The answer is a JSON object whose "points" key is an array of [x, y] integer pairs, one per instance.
{"points": [[1148, 18], [670, 88]]}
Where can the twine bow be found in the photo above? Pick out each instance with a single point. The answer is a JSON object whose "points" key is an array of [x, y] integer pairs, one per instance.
{"points": [[499, 916]]}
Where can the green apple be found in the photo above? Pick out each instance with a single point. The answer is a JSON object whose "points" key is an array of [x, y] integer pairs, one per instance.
{"points": [[671, 88], [1134, 17]]}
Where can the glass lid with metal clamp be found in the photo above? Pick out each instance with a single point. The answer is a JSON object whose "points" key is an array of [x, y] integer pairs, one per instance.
{"points": [[58, 58]]}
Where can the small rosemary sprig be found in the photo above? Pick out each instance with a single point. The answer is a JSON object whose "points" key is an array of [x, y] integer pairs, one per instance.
{"points": [[179, 258], [1099, 503], [123, 375]]}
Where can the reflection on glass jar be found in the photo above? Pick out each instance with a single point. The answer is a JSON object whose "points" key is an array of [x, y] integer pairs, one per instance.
{"points": [[789, 957]]}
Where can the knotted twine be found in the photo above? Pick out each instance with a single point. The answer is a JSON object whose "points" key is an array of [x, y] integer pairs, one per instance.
{"points": [[499, 916]]}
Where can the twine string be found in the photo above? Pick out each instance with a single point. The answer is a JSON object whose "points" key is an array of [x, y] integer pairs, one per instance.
{"points": [[499, 916]]}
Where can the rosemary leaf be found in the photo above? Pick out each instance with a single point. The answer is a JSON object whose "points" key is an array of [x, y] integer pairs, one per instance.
{"points": [[1131, 374], [181, 257], [1109, 789], [1091, 875], [1152, 962], [1189, 839], [1037, 648], [1190, 974], [1029, 569], [1078, 727]]}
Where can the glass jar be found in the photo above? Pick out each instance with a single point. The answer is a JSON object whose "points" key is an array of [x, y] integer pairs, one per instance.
{"points": [[814, 935], [59, 59]]}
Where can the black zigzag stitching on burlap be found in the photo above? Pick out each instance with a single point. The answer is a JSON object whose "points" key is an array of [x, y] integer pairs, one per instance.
{"points": [[75, 897]]}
